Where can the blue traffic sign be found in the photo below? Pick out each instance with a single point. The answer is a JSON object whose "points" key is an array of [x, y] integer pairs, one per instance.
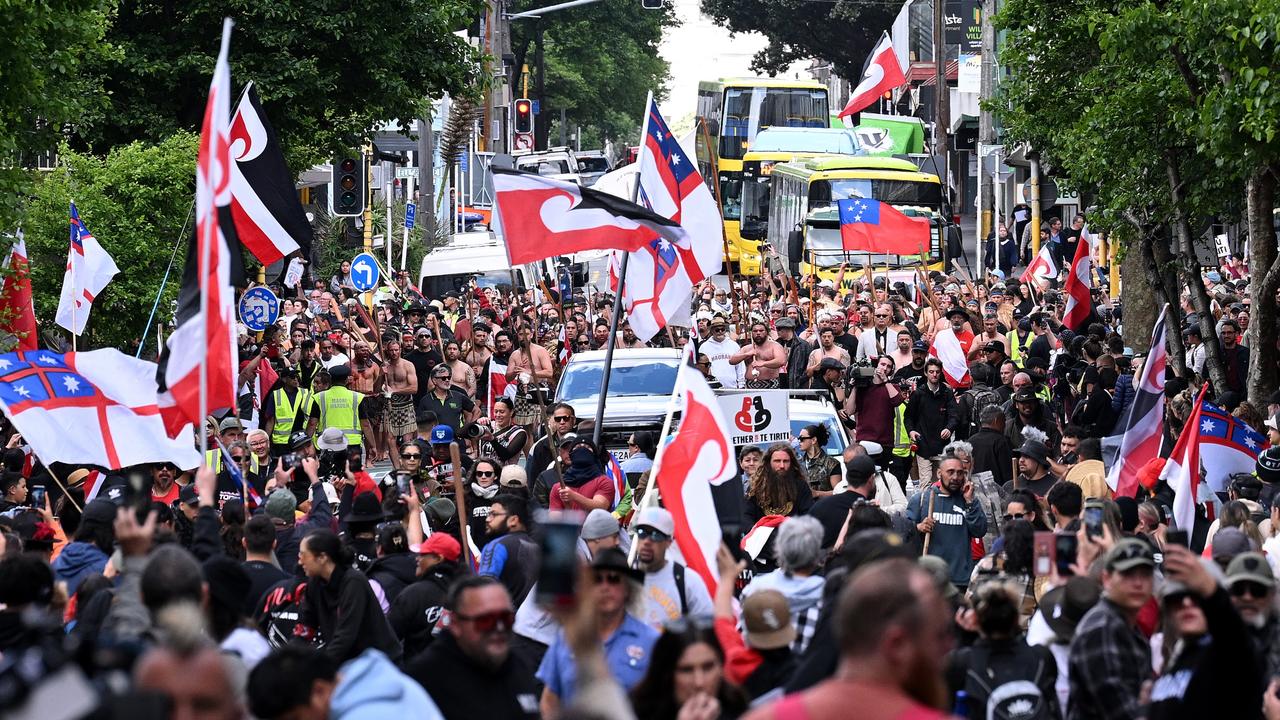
{"points": [[259, 308], [410, 211], [364, 272], [537, 107]]}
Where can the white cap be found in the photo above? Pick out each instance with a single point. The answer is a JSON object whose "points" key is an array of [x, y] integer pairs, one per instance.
{"points": [[658, 519], [332, 439]]}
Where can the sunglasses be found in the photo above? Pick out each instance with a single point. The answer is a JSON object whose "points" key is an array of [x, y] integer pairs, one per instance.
{"points": [[239, 458], [411, 456], [485, 473], [605, 577], [648, 533], [561, 418], [1256, 589], [499, 620], [1174, 600], [804, 437], [1012, 516]]}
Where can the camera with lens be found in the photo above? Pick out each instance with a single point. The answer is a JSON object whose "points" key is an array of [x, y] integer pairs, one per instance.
{"points": [[861, 374], [472, 431], [333, 463]]}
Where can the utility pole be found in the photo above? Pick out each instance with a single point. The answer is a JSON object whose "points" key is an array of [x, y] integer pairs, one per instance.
{"points": [[986, 124], [942, 101], [540, 124], [427, 177]]}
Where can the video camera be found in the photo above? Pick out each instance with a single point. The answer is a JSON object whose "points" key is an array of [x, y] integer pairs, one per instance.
{"points": [[860, 374]]}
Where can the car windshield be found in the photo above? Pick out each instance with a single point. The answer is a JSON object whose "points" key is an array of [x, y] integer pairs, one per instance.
{"points": [[593, 164], [544, 166], [582, 380], [810, 141]]}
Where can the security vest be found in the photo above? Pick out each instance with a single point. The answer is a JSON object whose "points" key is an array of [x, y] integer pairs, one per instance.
{"points": [[340, 408], [287, 415], [213, 458], [1018, 347], [901, 438]]}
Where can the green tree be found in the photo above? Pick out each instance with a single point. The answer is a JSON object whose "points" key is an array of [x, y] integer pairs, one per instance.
{"points": [[42, 84], [601, 59], [327, 70], [136, 201], [840, 31]]}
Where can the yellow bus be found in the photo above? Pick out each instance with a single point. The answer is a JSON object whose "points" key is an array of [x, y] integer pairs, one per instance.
{"points": [[733, 111], [804, 224], [777, 145]]}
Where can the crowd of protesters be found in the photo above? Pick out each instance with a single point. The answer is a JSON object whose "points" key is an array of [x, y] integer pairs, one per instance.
{"points": [[908, 577]]}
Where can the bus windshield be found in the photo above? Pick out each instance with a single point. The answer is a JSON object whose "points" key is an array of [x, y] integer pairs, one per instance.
{"points": [[748, 110], [838, 142], [894, 192]]}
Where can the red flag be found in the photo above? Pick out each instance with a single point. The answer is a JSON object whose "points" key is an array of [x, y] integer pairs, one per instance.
{"points": [[206, 307], [498, 383], [701, 455], [15, 298], [543, 216], [1042, 266], [1143, 430], [876, 227], [1079, 282], [881, 74]]}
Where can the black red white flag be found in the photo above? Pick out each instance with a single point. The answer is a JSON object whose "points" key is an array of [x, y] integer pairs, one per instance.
{"points": [[881, 74], [542, 217], [264, 203]]}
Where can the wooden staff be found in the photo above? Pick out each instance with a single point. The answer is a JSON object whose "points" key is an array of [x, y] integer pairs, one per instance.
{"points": [[724, 235], [929, 535], [460, 502], [66, 492]]}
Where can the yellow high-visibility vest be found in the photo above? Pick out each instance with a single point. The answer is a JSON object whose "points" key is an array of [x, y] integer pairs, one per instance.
{"points": [[287, 414], [339, 407]]}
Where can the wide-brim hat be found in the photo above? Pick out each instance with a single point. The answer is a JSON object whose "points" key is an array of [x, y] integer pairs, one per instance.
{"points": [[614, 559], [956, 311], [1065, 605], [1035, 450]]}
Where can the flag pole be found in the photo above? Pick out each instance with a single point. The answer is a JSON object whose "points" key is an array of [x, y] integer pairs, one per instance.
{"points": [[164, 281], [622, 284], [75, 277], [651, 494]]}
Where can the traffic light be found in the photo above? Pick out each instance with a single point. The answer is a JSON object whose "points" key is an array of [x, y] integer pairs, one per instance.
{"points": [[347, 186], [524, 115]]}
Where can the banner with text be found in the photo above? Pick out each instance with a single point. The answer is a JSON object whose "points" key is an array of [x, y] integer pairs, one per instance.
{"points": [[757, 417]]}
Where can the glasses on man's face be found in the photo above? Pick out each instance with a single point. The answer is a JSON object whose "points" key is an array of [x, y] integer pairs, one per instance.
{"points": [[605, 577], [648, 533], [562, 418], [240, 458], [411, 456], [1247, 587], [881, 315], [498, 620]]}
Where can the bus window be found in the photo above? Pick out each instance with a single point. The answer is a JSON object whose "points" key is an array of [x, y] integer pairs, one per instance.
{"points": [[731, 195], [748, 110], [894, 192]]}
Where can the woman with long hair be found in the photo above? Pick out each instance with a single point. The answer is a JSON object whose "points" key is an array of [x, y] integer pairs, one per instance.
{"points": [[686, 678], [1013, 564], [778, 486], [339, 603]]}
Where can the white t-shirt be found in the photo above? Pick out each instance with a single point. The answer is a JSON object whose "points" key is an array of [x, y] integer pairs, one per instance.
{"points": [[336, 360], [718, 353], [662, 599]]}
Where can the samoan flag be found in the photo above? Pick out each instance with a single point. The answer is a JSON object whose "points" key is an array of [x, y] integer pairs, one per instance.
{"points": [[1227, 446], [661, 275]]}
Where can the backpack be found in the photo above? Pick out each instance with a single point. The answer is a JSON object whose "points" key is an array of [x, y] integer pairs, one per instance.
{"points": [[677, 572], [1007, 695], [978, 399]]}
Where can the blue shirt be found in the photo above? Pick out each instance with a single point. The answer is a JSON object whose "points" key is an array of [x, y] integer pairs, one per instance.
{"points": [[626, 652]]}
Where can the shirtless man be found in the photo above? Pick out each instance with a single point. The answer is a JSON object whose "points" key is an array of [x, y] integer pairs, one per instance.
{"points": [[764, 357], [530, 364], [990, 332], [402, 382], [478, 351], [827, 348], [462, 376], [366, 379]]}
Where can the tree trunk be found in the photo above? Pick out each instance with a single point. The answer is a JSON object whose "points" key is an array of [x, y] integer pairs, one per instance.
{"points": [[1190, 268], [1148, 280], [1264, 270]]}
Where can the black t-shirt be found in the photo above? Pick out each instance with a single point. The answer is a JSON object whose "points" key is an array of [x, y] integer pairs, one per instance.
{"points": [[449, 411], [422, 363], [1040, 348], [850, 343], [1039, 487], [832, 511], [262, 577]]}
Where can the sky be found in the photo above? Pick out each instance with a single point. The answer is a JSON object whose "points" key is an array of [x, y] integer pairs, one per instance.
{"points": [[701, 50]]}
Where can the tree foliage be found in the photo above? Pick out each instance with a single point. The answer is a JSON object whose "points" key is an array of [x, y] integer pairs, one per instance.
{"points": [[1164, 112], [842, 32], [42, 85], [601, 59], [327, 70], [136, 201]]}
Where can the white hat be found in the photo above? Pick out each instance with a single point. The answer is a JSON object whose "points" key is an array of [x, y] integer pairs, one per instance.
{"points": [[332, 439], [658, 519], [872, 448]]}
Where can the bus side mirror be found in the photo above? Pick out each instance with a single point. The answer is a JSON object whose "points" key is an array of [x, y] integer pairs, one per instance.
{"points": [[795, 244]]}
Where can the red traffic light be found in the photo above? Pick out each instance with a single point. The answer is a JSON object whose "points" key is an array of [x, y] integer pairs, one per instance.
{"points": [[524, 107], [524, 115]]}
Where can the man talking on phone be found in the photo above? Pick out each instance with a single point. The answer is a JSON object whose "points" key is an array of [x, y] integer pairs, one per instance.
{"points": [[949, 519]]}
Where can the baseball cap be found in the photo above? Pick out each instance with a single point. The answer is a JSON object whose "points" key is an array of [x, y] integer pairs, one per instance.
{"points": [[513, 476], [101, 511], [187, 495], [658, 519], [941, 572], [993, 346], [281, 505], [231, 423], [1268, 465], [919, 346], [339, 372], [441, 435], [860, 468], [599, 524], [767, 617], [568, 439], [298, 440], [1128, 554], [441, 544], [332, 439], [1273, 422], [1228, 543], [1250, 567]]}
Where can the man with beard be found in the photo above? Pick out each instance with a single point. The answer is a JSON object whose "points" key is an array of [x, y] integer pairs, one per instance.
{"points": [[894, 629], [629, 339], [1028, 411], [416, 612], [402, 382], [468, 669], [511, 556], [957, 335], [845, 339], [671, 590], [531, 367], [477, 351], [949, 516], [990, 333], [423, 357], [501, 355], [461, 376], [764, 359], [163, 488], [1253, 591], [915, 368]]}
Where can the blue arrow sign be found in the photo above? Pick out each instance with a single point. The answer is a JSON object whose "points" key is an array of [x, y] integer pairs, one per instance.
{"points": [[259, 308], [364, 272], [410, 211]]}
